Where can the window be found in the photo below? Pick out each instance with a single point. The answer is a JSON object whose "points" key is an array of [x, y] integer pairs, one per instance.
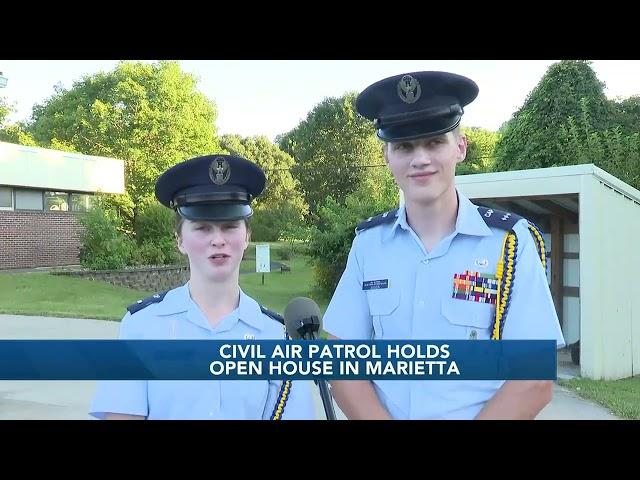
{"points": [[56, 201], [6, 197], [80, 202], [28, 199]]}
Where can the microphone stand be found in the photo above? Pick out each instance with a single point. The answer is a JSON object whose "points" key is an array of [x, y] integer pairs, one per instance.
{"points": [[309, 327]]}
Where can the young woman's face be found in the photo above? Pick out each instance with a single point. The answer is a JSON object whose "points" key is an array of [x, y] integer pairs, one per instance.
{"points": [[214, 249]]}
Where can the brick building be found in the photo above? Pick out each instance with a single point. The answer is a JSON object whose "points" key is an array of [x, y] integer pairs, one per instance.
{"points": [[42, 192]]}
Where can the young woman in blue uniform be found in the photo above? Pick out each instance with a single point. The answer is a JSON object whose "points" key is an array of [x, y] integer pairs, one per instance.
{"points": [[212, 198]]}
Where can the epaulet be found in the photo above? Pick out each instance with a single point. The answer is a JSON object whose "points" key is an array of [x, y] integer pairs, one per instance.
{"points": [[140, 304], [498, 218], [385, 217], [272, 314]]}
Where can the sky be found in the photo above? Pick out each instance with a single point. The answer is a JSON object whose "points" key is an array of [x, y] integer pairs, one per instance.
{"points": [[270, 97]]}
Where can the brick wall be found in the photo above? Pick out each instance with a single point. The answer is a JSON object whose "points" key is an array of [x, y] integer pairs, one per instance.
{"points": [[38, 239], [153, 279]]}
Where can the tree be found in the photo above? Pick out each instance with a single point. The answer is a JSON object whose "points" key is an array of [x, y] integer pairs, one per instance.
{"points": [[615, 150], [532, 138], [282, 205], [331, 237], [149, 115], [333, 148], [15, 132], [481, 145], [628, 114], [5, 110]]}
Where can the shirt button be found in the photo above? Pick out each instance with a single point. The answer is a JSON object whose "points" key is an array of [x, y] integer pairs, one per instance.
{"points": [[211, 414], [473, 335], [425, 261], [421, 303]]}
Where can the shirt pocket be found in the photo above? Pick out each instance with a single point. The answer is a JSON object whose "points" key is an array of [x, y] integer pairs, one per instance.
{"points": [[383, 308], [468, 319]]}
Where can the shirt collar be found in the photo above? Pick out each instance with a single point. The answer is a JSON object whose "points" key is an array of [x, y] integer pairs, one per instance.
{"points": [[468, 222], [248, 311], [401, 222]]}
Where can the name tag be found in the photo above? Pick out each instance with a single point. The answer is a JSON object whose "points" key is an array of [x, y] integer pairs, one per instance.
{"points": [[375, 284]]}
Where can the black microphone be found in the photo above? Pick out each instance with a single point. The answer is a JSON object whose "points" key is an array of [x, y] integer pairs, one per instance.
{"points": [[303, 320]]}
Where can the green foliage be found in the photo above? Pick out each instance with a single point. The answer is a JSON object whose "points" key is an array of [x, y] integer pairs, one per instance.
{"points": [[628, 114], [481, 145], [104, 247], [612, 149], [156, 244], [157, 252], [331, 148], [5, 110], [285, 252], [118, 207], [155, 223], [15, 132], [281, 208], [149, 115], [331, 239], [532, 138], [279, 223]]}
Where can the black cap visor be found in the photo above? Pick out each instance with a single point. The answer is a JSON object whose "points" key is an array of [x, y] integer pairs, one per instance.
{"points": [[424, 129], [215, 213]]}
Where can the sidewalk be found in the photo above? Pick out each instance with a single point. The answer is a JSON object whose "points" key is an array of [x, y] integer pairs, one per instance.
{"points": [[70, 399]]}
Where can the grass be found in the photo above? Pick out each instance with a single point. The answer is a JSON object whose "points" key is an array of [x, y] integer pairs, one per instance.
{"points": [[61, 296], [280, 288], [274, 251], [621, 397]]}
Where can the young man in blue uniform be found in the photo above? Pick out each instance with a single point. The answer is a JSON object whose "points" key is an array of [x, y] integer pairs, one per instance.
{"points": [[409, 270], [211, 196]]}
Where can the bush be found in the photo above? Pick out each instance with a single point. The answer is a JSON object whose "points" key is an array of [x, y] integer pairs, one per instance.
{"points": [[285, 252], [103, 246], [265, 226], [273, 224], [333, 235], [117, 207], [301, 249], [163, 252], [155, 223], [613, 150]]}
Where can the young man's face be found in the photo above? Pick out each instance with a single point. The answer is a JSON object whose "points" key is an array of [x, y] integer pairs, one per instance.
{"points": [[425, 168]]}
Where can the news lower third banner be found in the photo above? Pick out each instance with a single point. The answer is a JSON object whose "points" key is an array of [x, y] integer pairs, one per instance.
{"points": [[274, 359]]}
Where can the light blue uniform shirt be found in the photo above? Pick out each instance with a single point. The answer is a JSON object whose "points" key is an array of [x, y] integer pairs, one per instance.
{"points": [[418, 304], [177, 316]]}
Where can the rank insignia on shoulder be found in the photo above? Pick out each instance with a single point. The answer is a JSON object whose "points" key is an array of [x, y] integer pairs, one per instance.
{"points": [[383, 218], [140, 304]]}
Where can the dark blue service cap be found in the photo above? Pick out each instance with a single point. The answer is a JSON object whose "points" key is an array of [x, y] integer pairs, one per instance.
{"points": [[416, 105], [211, 187]]}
